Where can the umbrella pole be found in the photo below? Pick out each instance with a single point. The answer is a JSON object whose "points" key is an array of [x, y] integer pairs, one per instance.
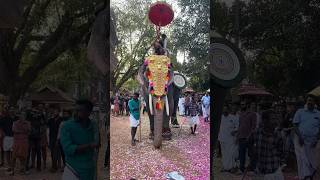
{"points": [[140, 133]]}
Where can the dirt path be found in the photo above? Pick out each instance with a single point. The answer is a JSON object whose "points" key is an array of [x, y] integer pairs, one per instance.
{"points": [[185, 153]]}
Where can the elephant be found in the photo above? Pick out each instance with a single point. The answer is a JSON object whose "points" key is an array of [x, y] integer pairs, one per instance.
{"points": [[160, 119]]}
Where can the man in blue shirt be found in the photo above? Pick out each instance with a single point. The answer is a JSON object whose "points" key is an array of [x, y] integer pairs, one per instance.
{"points": [[206, 107], [307, 128]]}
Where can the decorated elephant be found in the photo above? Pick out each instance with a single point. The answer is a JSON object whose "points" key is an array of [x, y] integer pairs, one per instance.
{"points": [[161, 88], [156, 78]]}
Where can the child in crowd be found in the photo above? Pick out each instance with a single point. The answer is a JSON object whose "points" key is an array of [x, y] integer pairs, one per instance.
{"points": [[21, 130]]}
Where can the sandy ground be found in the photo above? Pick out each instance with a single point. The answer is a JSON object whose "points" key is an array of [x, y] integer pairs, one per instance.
{"points": [[185, 153]]}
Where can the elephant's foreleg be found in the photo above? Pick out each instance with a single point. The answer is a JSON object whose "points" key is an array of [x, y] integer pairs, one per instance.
{"points": [[166, 133]]}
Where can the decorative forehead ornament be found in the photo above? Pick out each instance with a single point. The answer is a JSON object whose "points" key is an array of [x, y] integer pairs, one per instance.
{"points": [[158, 74]]}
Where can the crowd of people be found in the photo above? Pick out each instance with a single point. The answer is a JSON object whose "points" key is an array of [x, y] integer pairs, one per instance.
{"points": [[71, 135], [276, 137], [193, 105], [120, 104], [26, 135], [190, 105]]}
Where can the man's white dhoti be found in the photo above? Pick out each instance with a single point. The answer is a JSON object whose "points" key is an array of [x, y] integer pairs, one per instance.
{"points": [[69, 174], [7, 143], [206, 111], [193, 120], [306, 159], [133, 121], [181, 105], [181, 110], [229, 150]]}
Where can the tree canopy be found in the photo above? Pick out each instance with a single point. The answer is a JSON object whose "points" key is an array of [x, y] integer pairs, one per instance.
{"points": [[49, 30], [191, 35], [135, 36], [280, 39]]}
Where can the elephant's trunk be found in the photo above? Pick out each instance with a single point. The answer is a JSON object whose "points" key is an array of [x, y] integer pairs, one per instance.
{"points": [[158, 124]]}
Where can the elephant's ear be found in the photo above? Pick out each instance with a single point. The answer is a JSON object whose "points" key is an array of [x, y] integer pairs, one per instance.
{"points": [[171, 77], [141, 76]]}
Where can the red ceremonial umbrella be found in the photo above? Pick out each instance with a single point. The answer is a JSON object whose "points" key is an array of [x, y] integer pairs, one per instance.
{"points": [[161, 14]]}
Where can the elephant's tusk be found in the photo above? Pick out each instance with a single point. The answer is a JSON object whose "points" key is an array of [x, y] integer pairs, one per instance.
{"points": [[167, 105], [150, 104]]}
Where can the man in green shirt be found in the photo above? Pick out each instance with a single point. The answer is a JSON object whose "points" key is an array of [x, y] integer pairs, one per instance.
{"points": [[78, 140], [134, 107]]}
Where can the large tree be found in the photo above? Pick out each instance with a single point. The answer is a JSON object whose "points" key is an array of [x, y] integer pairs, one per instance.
{"points": [[284, 36], [191, 36], [281, 37], [49, 29], [135, 36]]}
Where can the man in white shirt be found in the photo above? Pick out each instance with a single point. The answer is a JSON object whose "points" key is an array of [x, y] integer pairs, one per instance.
{"points": [[228, 127], [205, 101], [181, 105]]}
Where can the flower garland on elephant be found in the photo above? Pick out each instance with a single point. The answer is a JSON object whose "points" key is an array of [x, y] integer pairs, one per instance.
{"points": [[158, 68]]}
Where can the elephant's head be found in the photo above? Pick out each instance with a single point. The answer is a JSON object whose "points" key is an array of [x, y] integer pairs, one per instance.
{"points": [[155, 78]]}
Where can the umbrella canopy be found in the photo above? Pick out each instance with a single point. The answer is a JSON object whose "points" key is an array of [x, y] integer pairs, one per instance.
{"points": [[315, 91], [161, 14], [188, 90], [250, 89]]}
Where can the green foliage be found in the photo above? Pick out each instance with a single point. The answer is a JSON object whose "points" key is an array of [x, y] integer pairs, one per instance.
{"points": [[67, 71], [222, 18], [135, 35], [191, 35], [50, 29], [283, 37], [131, 85]]}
